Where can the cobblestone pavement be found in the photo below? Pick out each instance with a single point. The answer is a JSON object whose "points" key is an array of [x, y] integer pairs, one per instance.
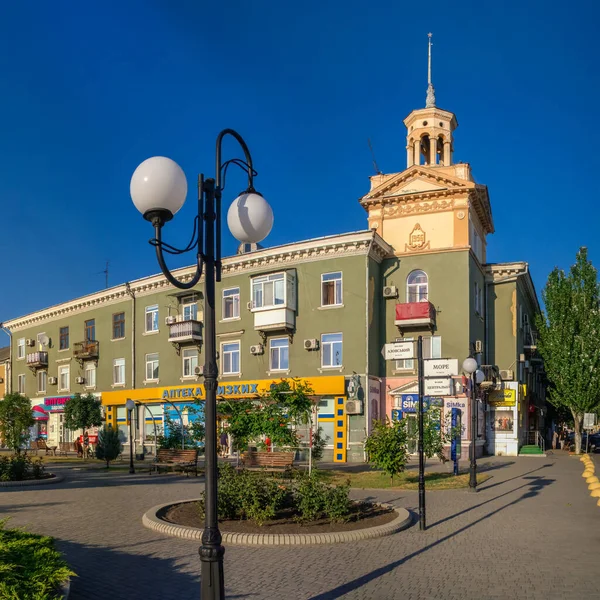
{"points": [[532, 531]]}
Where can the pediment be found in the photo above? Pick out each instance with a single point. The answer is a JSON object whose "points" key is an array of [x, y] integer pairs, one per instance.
{"points": [[418, 180], [411, 387]]}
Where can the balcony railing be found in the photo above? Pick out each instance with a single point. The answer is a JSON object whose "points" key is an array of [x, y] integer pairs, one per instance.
{"points": [[37, 359], [411, 314], [492, 376], [86, 350], [185, 331]]}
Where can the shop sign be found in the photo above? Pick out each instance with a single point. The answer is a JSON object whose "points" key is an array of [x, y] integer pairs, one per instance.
{"points": [[399, 351], [410, 402], [440, 367], [56, 404], [502, 398], [438, 387]]}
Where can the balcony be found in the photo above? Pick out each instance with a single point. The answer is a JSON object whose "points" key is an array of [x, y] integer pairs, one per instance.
{"points": [[86, 350], [185, 331], [415, 314], [36, 360], [492, 377]]}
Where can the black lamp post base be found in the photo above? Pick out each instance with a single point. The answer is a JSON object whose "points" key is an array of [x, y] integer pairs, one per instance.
{"points": [[212, 581]]}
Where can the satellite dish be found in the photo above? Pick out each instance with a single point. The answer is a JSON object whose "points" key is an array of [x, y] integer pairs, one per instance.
{"points": [[44, 340]]}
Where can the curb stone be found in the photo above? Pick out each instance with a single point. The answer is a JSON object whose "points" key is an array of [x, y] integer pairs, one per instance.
{"points": [[152, 521], [56, 478]]}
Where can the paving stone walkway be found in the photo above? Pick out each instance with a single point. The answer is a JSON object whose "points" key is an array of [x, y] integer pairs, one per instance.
{"points": [[531, 532]]}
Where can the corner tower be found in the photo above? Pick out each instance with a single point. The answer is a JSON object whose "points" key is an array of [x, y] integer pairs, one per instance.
{"points": [[434, 205]]}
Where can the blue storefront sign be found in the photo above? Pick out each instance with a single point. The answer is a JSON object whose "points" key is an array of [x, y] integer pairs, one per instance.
{"points": [[396, 414], [410, 402], [455, 448]]}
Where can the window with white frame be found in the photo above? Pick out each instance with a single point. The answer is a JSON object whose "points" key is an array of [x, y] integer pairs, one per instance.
{"points": [[152, 318], [190, 362], [90, 375], [189, 307], [231, 303], [230, 358], [42, 381], [119, 371], [279, 354], [331, 350], [152, 367], [331, 289], [417, 287], [268, 290], [432, 348], [21, 384], [64, 378], [21, 348]]}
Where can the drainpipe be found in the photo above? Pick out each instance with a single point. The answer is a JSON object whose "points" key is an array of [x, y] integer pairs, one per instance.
{"points": [[9, 367], [132, 294]]}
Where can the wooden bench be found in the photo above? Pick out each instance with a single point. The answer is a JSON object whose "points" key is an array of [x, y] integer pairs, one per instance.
{"points": [[41, 445], [171, 458], [268, 461]]}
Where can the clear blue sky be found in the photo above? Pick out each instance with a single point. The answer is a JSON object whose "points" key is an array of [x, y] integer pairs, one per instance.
{"points": [[90, 89]]}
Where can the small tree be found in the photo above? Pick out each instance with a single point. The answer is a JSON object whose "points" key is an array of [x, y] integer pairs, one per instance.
{"points": [[83, 412], [318, 444], [16, 417], [109, 446], [386, 446], [434, 437], [568, 342]]}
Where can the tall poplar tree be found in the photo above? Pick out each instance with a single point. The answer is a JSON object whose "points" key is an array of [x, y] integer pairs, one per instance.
{"points": [[569, 339]]}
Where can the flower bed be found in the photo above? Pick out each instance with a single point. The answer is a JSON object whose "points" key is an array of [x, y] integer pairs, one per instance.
{"points": [[30, 566], [20, 467]]}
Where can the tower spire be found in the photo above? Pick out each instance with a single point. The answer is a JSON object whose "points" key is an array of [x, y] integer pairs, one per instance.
{"points": [[430, 99]]}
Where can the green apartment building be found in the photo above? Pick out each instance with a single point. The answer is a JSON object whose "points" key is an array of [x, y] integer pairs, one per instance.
{"points": [[321, 310]]}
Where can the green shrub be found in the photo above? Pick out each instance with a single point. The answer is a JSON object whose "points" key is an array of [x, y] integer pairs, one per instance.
{"points": [[310, 497], [109, 445], [338, 503], [20, 467], [30, 566]]}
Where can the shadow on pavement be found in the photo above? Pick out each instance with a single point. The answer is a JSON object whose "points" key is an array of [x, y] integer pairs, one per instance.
{"points": [[484, 486], [535, 485]]}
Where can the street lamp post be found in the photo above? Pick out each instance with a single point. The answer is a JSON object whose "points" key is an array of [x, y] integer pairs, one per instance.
{"points": [[130, 406], [476, 376], [158, 190]]}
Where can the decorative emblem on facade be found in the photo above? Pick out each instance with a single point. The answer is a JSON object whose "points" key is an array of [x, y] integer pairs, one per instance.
{"points": [[460, 214], [417, 240]]}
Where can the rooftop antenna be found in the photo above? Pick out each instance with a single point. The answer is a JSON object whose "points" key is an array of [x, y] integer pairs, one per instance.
{"points": [[430, 99], [373, 157], [105, 271]]}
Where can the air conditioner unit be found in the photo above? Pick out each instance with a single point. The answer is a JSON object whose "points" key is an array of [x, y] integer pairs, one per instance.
{"points": [[390, 291], [79, 379], [199, 370], [311, 344], [52, 380], [354, 407], [257, 349], [506, 375], [29, 342], [250, 305], [478, 346], [170, 320]]}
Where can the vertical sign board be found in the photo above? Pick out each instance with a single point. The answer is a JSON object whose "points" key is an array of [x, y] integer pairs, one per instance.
{"points": [[589, 420], [455, 448]]}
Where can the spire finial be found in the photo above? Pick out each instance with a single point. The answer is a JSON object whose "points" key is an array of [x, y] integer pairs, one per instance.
{"points": [[430, 99]]}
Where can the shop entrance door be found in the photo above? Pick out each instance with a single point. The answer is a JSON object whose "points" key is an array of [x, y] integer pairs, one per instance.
{"points": [[54, 427]]}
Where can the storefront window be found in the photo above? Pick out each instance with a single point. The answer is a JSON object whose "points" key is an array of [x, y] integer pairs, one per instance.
{"points": [[325, 419]]}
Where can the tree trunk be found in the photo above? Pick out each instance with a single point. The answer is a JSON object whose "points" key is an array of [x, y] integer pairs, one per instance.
{"points": [[578, 420]]}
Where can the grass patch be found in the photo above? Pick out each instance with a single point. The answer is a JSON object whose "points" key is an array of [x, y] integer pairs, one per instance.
{"points": [[405, 481], [30, 566]]}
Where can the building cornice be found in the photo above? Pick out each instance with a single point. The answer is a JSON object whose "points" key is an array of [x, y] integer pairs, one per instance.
{"points": [[350, 244]]}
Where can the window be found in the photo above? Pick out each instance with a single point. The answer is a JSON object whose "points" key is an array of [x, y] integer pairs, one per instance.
{"points": [[432, 348], [230, 358], [152, 367], [331, 289], [152, 318], [189, 308], [64, 378], [268, 290], [190, 362], [118, 331], [90, 330], [21, 384], [417, 287], [331, 350], [21, 348], [90, 375], [279, 353], [42, 380], [63, 338], [231, 303], [477, 299], [119, 371]]}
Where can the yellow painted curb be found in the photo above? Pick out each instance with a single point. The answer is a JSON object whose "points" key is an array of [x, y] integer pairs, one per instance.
{"points": [[585, 457], [598, 503], [592, 479], [594, 486], [595, 493], [587, 474]]}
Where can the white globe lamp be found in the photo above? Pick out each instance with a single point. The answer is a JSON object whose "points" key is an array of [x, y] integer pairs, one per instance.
{"points": [[250, 218], [158, 188], [479, 377], [469, 365]]}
